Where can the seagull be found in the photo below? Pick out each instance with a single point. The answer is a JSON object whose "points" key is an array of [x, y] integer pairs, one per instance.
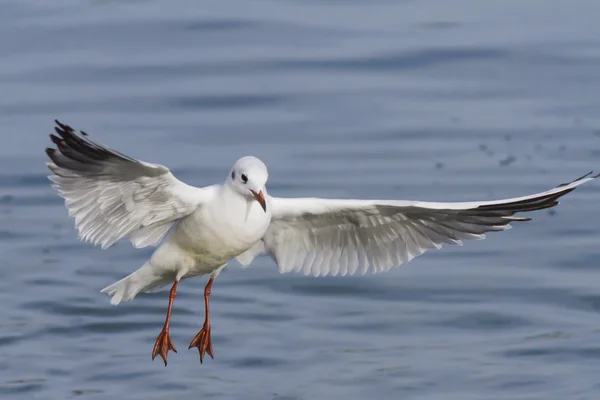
{"points": [[198, 230]]}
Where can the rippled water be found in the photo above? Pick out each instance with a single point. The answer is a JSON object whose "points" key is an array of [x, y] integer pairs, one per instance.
{"points": [[432, 100]]}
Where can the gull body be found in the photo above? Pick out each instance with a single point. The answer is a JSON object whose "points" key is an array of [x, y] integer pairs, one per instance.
{"points": [[226, 224], [199, 230]]}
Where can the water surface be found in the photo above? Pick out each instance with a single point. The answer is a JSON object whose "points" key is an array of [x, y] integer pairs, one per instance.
{"points": [[429, 100]]}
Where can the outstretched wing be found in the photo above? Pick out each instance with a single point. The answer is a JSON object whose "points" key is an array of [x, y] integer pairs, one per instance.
{"points": [[113, 196], [326, 236]]}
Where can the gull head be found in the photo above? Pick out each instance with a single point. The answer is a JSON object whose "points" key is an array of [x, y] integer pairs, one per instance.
{"points": [[248, 178]]}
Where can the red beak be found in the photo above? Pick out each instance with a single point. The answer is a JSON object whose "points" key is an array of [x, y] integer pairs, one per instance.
{"points": [[260, 197]]}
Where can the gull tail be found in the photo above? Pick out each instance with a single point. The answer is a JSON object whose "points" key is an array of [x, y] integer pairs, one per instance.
{"points": [[142, 280]]}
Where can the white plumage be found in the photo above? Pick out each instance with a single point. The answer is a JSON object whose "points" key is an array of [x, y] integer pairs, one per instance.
{"points": [[330, 237], [113, 196]]}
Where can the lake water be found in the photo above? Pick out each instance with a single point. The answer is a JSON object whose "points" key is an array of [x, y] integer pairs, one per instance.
{"points": [[430, 100]]}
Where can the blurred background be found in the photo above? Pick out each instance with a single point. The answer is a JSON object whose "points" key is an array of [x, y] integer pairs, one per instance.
{"points": [[425, 99]]}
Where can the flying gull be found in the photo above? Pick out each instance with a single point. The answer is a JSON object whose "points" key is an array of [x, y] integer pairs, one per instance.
{"points": [[198, 230]]}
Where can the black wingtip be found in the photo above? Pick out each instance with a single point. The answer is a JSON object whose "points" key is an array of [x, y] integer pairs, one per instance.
{"points": [[63, 129], [578, 179], [56, 140], [51, 154], [60, 125]]}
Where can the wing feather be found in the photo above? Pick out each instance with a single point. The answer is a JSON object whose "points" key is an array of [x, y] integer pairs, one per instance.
{"points": [[338, 237], [112, 196]]}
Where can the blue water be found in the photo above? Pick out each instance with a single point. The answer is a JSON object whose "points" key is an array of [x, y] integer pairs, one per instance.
{"points": [[432, 100]]}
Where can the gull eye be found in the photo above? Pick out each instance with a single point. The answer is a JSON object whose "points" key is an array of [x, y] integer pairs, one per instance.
{"points": [[244, 178]]}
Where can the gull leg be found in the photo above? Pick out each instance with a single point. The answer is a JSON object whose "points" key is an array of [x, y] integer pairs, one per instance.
{"points": [[163, 341], [202, 339]]}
